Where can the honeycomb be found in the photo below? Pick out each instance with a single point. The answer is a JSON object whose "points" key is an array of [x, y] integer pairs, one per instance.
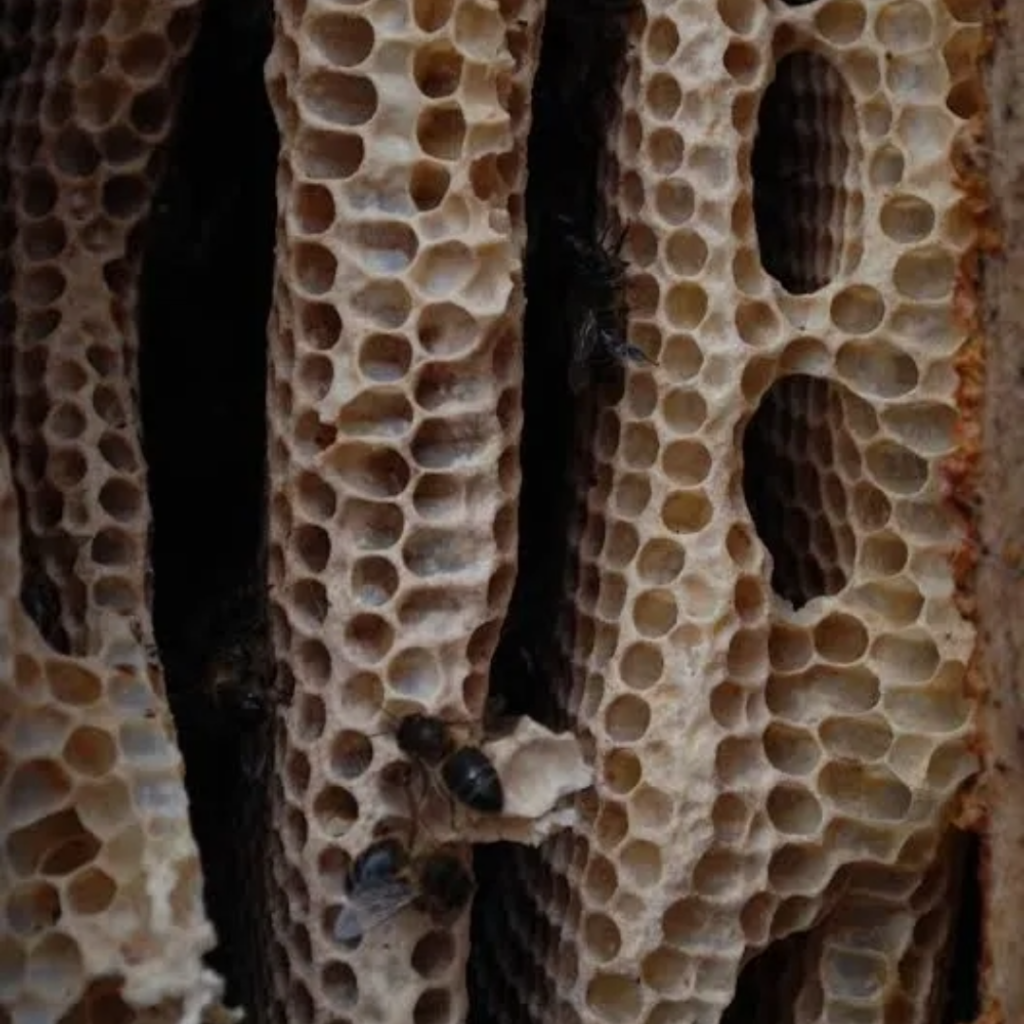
{"points": [[767, 656], [102, 893], [762, 662], [394, 406]]}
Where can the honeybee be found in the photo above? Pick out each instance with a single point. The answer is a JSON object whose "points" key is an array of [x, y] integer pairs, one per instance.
{"points": [[466, 771], [596, 307], [385, 879]]}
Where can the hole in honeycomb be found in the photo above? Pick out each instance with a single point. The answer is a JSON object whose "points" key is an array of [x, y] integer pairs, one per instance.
{"points": [[804, 166], [789, 450], [207, 273]]}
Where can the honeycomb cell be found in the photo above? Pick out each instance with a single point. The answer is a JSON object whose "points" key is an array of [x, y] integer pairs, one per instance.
{"points": [[351, 754], [904, 26], [840, 639], [627, 718], [344, 41], [335, 810], [858, 309], [793, 751], [686, 305], [614, 998], [90, 751], [674, 201], [601, 937], [441, 132], [926, 273], [622, 771], [795, 810], [414, 673], [863, 791], [757, 324], [841, 21], [907, 218]]}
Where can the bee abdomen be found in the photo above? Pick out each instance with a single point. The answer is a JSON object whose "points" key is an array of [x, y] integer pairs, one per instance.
{"points": [[473, 779]]}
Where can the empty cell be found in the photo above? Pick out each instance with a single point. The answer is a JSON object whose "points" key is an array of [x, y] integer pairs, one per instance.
{"points": [[649, 808], [350, 754], [655, 613], [362, 695], [313, 267], [327, 156], [335, 810], [661, 561], [789, 647], [794, 810], [614, 998], [601, 937], [661, 40], [840, 639], [866, 792], [669, 972], [385, 358], [600, 880], [682, 358], [724, 874], [441, 132], [622, 771], [90, 891], [437, 69], [798, 869], [877, 368], [897, 469], [54, 968], [339, 985], [674, 201], [343, 40], [374, 581], [792, 750], [372, 471], [841, 21], [296, 773], [433, 954], [686, 305], [909, 658], [925, 274], [90, 751], [904, 25], [414, 673], [757, 324], [369, 637], [621, 544], [311, 718], [856, 739], [342, 99], [665, 151], [386, 304], [858, 309], [632, 493], [686, 512], [743, 62], [627, 718], [383, 247]]}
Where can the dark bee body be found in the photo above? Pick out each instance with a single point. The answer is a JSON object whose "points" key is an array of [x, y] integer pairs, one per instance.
{"points": [[466, 771], [471, 778], [384, 880], [382, 861], [595, 302], [425, 737]]}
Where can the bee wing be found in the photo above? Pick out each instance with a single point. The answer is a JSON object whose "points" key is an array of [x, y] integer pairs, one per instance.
{"points": [[367, 908]]}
